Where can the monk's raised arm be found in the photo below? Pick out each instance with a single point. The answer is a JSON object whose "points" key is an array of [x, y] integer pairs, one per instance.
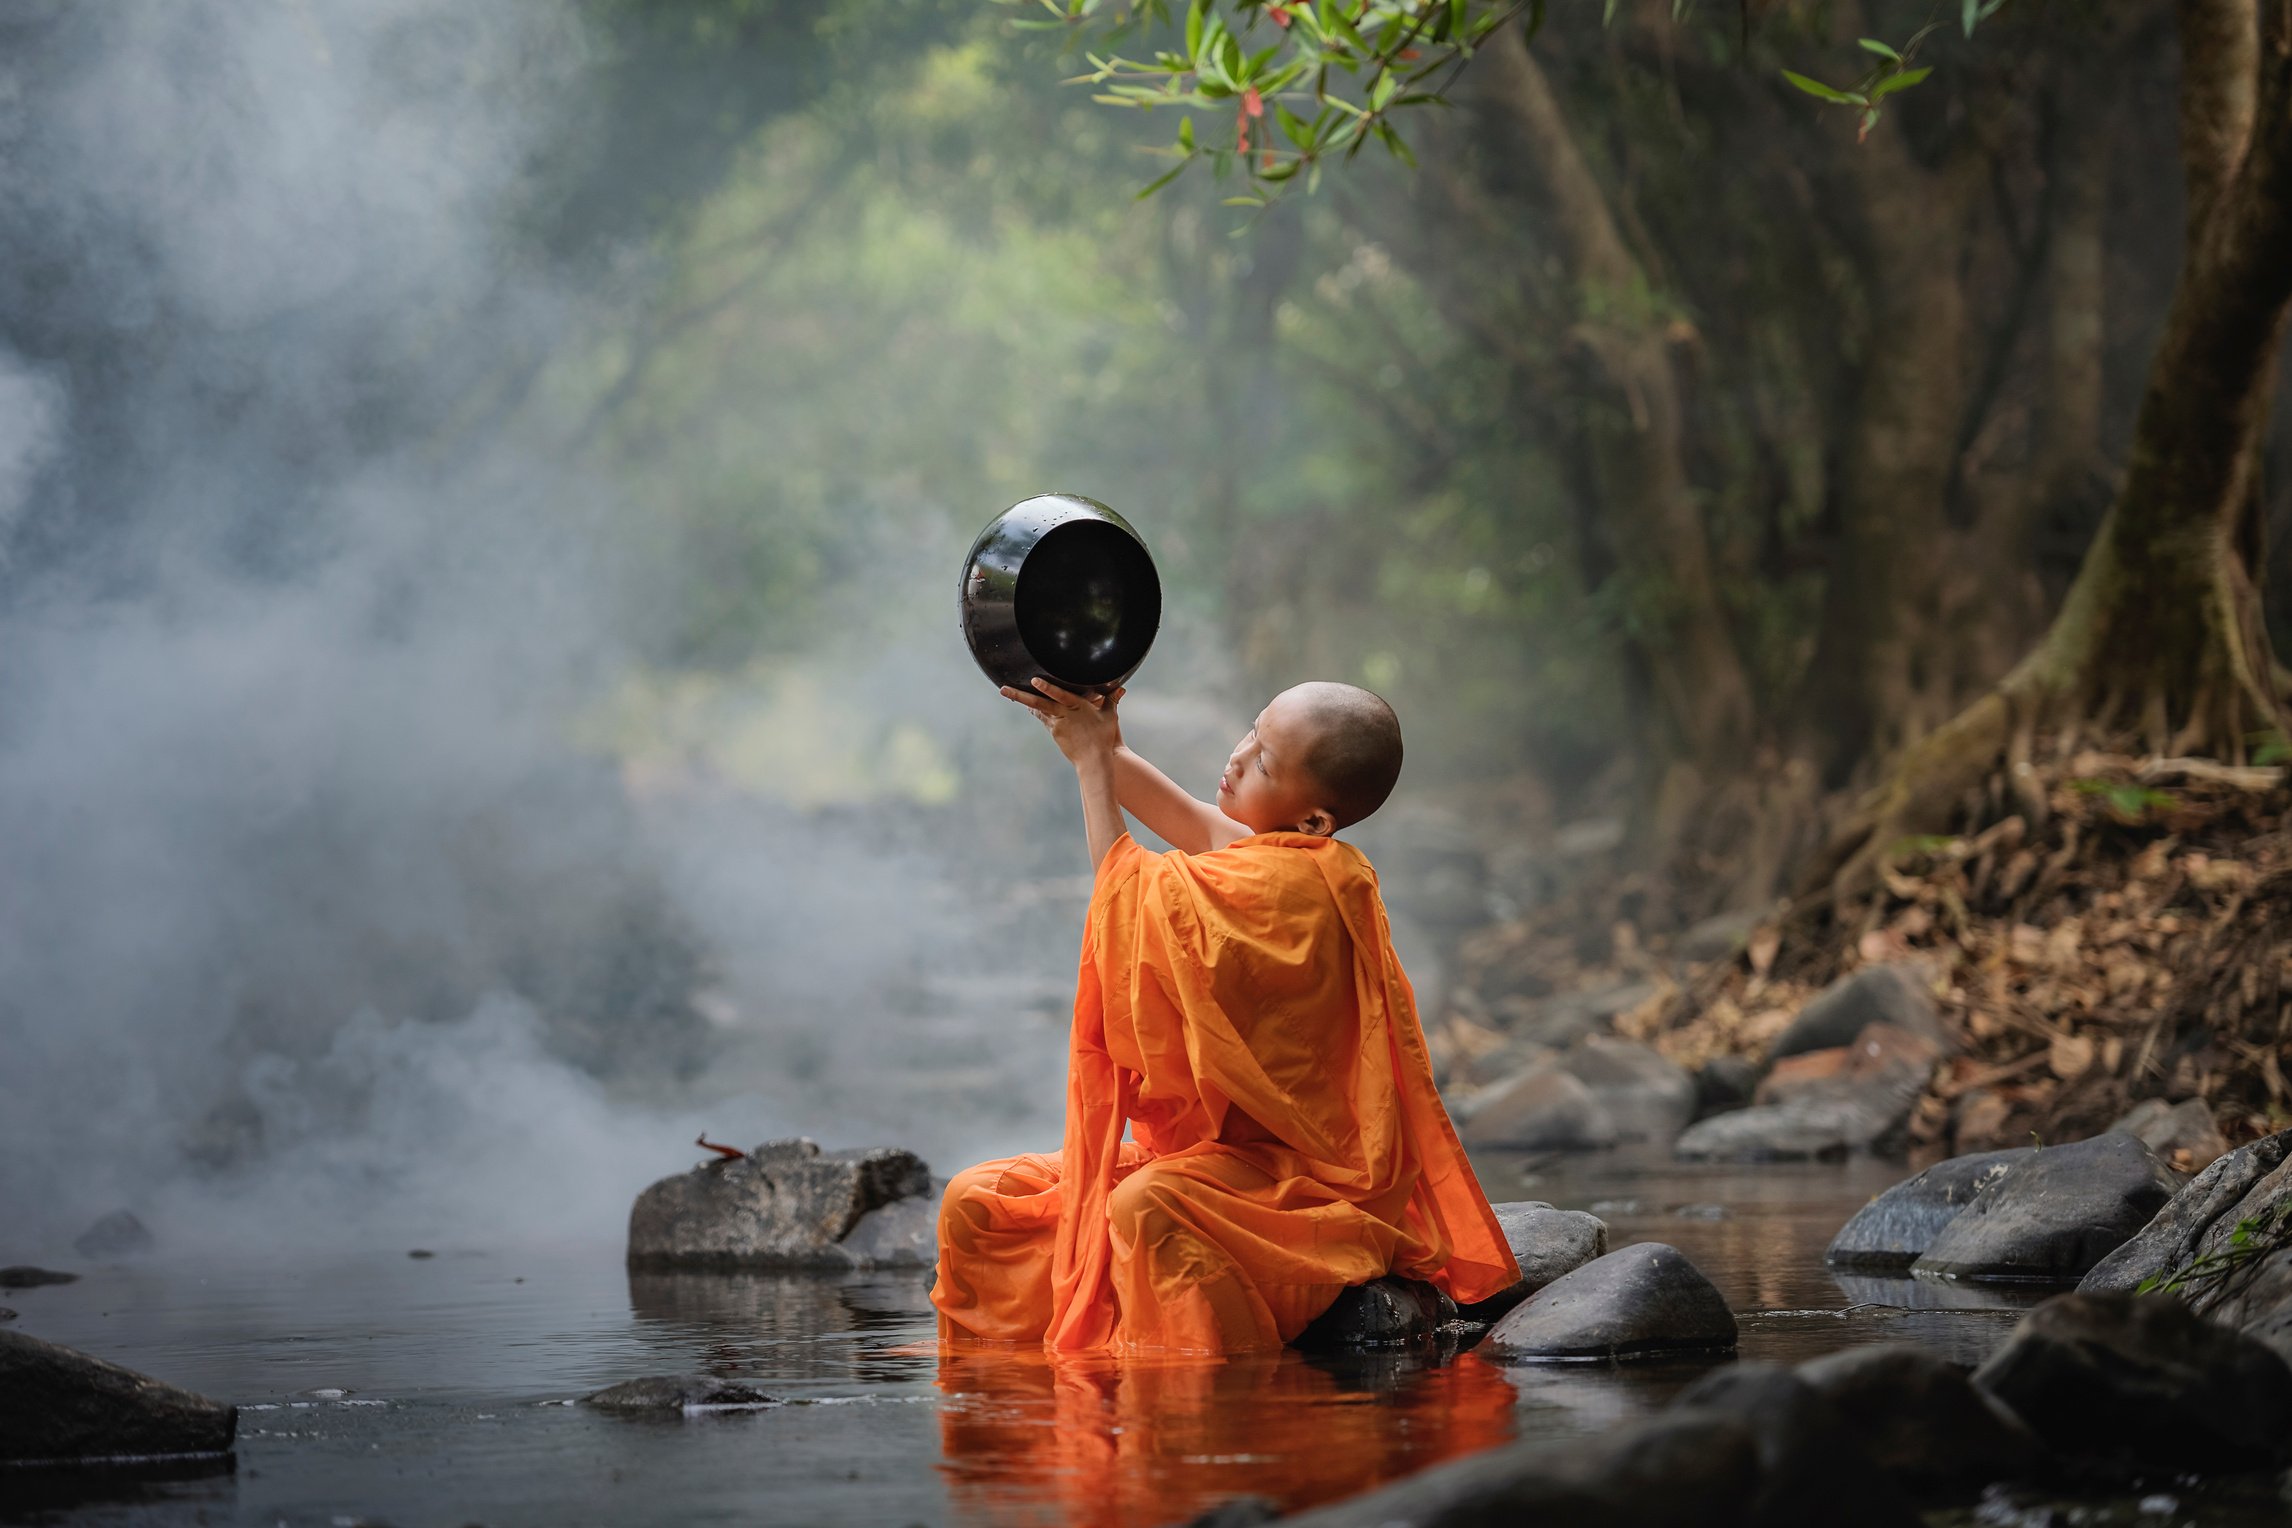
{"points": [[1181, 820]]}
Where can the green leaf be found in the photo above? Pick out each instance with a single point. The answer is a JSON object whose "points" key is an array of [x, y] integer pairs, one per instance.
{"points": [[1381, 93], [1186, 134], [1820, 91], [1280, 171], [1195, 15], [1607, 12], [1293, 126], [1162, 180], [1873, 45], [1535, 22], [1901, 80], [1393, 142]]}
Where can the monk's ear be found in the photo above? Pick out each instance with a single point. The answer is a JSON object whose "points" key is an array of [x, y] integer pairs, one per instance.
{"points": [[1318, 822]]}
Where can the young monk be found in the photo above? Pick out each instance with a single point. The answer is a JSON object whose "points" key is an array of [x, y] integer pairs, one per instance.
{"points": [[1241, 1014]]}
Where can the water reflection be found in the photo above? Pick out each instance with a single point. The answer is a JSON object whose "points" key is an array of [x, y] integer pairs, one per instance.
{"points": [[1102, 1444]]}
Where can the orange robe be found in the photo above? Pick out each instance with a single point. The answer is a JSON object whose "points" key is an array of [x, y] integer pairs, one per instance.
{"points": [[1242, 1015]]}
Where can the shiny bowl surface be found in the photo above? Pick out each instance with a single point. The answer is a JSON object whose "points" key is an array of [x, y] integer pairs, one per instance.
{"points": [[1060, 587]]}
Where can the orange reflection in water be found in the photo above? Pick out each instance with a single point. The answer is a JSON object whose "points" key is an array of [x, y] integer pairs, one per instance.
{"points": [[1130, 1443]]}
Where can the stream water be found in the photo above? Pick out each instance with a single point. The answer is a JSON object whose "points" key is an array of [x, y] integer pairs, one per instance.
{"points": [[415, 1391]]}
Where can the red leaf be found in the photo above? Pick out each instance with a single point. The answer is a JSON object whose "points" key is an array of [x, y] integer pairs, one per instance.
{"points": [[1253, 104], [1279, 13]]}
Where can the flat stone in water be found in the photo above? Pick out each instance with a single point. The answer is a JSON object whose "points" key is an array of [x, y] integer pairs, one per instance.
{"points": [[2143, 1381], [58, 1404], [1895, 1229], [25, 1276], [1644, 1299], [680, 1393], [2055, 1215], [1647, 1096]]}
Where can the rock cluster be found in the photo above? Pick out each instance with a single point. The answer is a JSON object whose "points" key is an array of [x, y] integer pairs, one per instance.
{"points": [[789, 1205], [1598, 1092], [2113, 1388]]}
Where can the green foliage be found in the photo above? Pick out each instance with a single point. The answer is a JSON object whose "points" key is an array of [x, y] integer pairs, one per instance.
{"points": [[2270, 748], [2254, 1240], [1306, 82], [2129, 801]]}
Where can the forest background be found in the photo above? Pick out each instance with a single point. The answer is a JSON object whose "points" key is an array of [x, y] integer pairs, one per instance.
{"points": [[483, 494]]}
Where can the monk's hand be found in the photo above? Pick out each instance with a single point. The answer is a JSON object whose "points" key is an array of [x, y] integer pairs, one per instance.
{"points": [[1084, 726]]}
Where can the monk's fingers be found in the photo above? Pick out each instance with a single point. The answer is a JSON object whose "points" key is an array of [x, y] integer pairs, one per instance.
{"points": [[1034, 703], [1060, 695]]}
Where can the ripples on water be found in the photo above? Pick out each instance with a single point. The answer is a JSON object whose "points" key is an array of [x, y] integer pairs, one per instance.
{"points": [[452, 1370]]}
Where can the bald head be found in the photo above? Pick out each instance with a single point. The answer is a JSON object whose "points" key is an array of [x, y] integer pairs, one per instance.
{"points": [[1352, 746]]}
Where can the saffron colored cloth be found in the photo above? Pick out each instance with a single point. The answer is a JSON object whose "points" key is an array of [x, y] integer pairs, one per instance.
{"points": [[1242, 1016]]}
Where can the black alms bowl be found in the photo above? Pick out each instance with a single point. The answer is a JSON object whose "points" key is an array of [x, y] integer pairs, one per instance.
{"points": [[1060, 587]]}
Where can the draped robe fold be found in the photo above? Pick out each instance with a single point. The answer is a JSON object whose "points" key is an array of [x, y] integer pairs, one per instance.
{"points": [[1242, 1016]]}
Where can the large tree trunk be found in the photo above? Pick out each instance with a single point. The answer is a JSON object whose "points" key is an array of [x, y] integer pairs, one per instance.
{"points": [[1636, 448], [2161, 635]]}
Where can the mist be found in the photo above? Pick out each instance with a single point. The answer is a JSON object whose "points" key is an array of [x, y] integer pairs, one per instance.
{"points": [[322, 916]]}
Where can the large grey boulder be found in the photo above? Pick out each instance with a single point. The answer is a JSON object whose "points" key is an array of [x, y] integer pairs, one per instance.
{"points": [[2141, 1380], [1644, 1299], [1540, 1109], [1900, 993], [1856, 1099], [1809, 1464], [1546, 1243], [1937, 1435], [1895, 1229], [60, 1404], [1683, 1469], [1649, 1096], [2055, 1215], [787, 1204]]}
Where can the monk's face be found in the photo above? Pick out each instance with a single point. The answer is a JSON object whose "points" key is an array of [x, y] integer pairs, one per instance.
{"points": [[1265, 787]]}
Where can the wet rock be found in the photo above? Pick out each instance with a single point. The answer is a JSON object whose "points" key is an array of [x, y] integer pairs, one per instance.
{"points": [[25, 1276], [58, 1404], [1237, 1512], [2224, 1245], [1541, 1109], [681, 1393], [1383, 1313], [2055, 1215], [1506, 1062], [1649, 1097], [1641, 1300], [1860, 1102], [1808, 1463], [2243, 1185], [2143, 1381], [1899, 993], [902, 1234], [1895, 1229], [1724, 1083], [1683, 1469], [1546, 1243], [2185, 1134], [1936, 1434], [118, 1234], [786, 1205], [6, 1314]]}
